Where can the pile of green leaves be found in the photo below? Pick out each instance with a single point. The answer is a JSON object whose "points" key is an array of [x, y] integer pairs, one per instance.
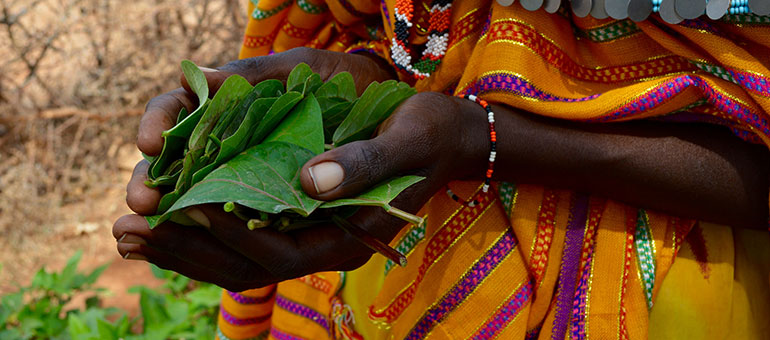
{"points": [[245, 147], [180, 309]]}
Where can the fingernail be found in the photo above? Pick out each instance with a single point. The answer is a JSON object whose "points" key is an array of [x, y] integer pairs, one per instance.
{"points": [[198, 216], [134, 256], [131, 239], [206, 69], [326, 176]]}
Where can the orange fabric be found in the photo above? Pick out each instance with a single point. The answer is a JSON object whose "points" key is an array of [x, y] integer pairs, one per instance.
{"points": [[532, 262]]}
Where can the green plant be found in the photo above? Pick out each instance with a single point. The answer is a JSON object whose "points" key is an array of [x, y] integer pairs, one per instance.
{"points": [[180, 309], [244, 148]]}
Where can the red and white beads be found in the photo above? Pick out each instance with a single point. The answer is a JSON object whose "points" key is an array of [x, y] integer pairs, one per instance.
{"points": [[492, 150]]}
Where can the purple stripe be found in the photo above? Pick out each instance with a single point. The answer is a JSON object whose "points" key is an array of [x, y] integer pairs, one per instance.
{"points": [[248, 300], [467, 285], [282, 335], [569, 263], [511, 83], [578, 330], [506, 314], [753, 82], [231, 319], [668, 89], [303, 311]]}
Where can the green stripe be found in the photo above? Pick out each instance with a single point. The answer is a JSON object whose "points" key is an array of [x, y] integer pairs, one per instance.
{"points": [[311, 8], [616, 30], [718, 71], [507, 192], [259, 14], [408, 242], [645, 255], [747, 19]]}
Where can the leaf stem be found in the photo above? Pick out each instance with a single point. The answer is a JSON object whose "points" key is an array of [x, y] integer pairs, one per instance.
{"points": [[413, 219], [328, 146], [370, 241]]}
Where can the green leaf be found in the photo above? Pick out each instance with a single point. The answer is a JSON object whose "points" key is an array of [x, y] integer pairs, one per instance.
{"points": [[94, 275], [312, 83], [376, 103], [266, 89], [302, 127], [105, 330], [340, 86], [233, 89], [77, 328], [265, 178], [175, 138], [333, 116], [65, 279], [154, 314], [197, 81], [148, 158], [297, 77], [207, 296], [174, 141], [380, 195], [237, 142], [277, 111], [182, 115]]}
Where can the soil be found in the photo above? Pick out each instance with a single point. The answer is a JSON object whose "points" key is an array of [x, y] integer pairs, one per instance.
{"points": [[88, 229]]}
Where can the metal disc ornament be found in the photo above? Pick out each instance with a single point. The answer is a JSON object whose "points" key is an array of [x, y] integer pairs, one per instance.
{"points": [[760, 7], [690, 9], [617, 9], [668, 12], [551, 6], [531, 5], [716, 9], [639, 10], [598, 11], [505, 2], [581, 8]]}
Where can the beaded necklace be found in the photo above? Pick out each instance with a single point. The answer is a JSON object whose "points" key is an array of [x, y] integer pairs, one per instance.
{"points": [[438, 37]]}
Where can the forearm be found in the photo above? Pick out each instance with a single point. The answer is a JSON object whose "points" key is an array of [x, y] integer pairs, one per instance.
{"points": [[697, 171]]}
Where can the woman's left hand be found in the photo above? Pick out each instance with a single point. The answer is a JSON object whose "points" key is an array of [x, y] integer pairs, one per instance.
{"points": [[422, 137]]}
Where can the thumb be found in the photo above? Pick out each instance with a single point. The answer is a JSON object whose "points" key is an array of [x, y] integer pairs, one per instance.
{"points": [[352, 168]]}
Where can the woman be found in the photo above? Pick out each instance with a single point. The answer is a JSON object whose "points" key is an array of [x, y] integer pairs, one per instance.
{"points": [[539, 259]]}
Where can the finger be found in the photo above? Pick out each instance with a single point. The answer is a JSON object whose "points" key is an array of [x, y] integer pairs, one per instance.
{"points": [[354, 167], [214, 79], [160, 115], [188, 250], [285, 255], [140, 198]]}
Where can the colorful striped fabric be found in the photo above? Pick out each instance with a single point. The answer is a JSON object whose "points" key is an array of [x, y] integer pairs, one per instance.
{"points": [[531, 262]]}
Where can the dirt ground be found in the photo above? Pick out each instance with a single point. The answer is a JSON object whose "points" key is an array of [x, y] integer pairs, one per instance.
{"points": [[88, 229], [74, 78]]}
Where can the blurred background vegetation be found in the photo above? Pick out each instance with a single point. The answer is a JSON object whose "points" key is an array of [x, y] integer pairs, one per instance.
{"points": [[74, 78]]}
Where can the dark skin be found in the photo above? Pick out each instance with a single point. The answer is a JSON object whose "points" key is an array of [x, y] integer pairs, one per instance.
{"points": [[690, 171]]}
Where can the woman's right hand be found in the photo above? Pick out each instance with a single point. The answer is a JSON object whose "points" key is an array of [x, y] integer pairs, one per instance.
{"points": [[161, 112]]}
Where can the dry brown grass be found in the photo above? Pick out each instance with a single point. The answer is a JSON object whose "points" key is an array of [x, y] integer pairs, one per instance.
{"points": [[74, 77]]}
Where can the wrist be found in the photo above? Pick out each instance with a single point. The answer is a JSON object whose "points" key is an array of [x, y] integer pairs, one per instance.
{"points": [[472, 158]]}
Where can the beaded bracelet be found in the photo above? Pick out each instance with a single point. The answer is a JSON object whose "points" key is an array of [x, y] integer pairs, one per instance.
{"points": [[492, 150]]}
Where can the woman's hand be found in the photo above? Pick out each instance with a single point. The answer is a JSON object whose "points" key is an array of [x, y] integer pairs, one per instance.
{"points": [[161, 112], [422, 137]]}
